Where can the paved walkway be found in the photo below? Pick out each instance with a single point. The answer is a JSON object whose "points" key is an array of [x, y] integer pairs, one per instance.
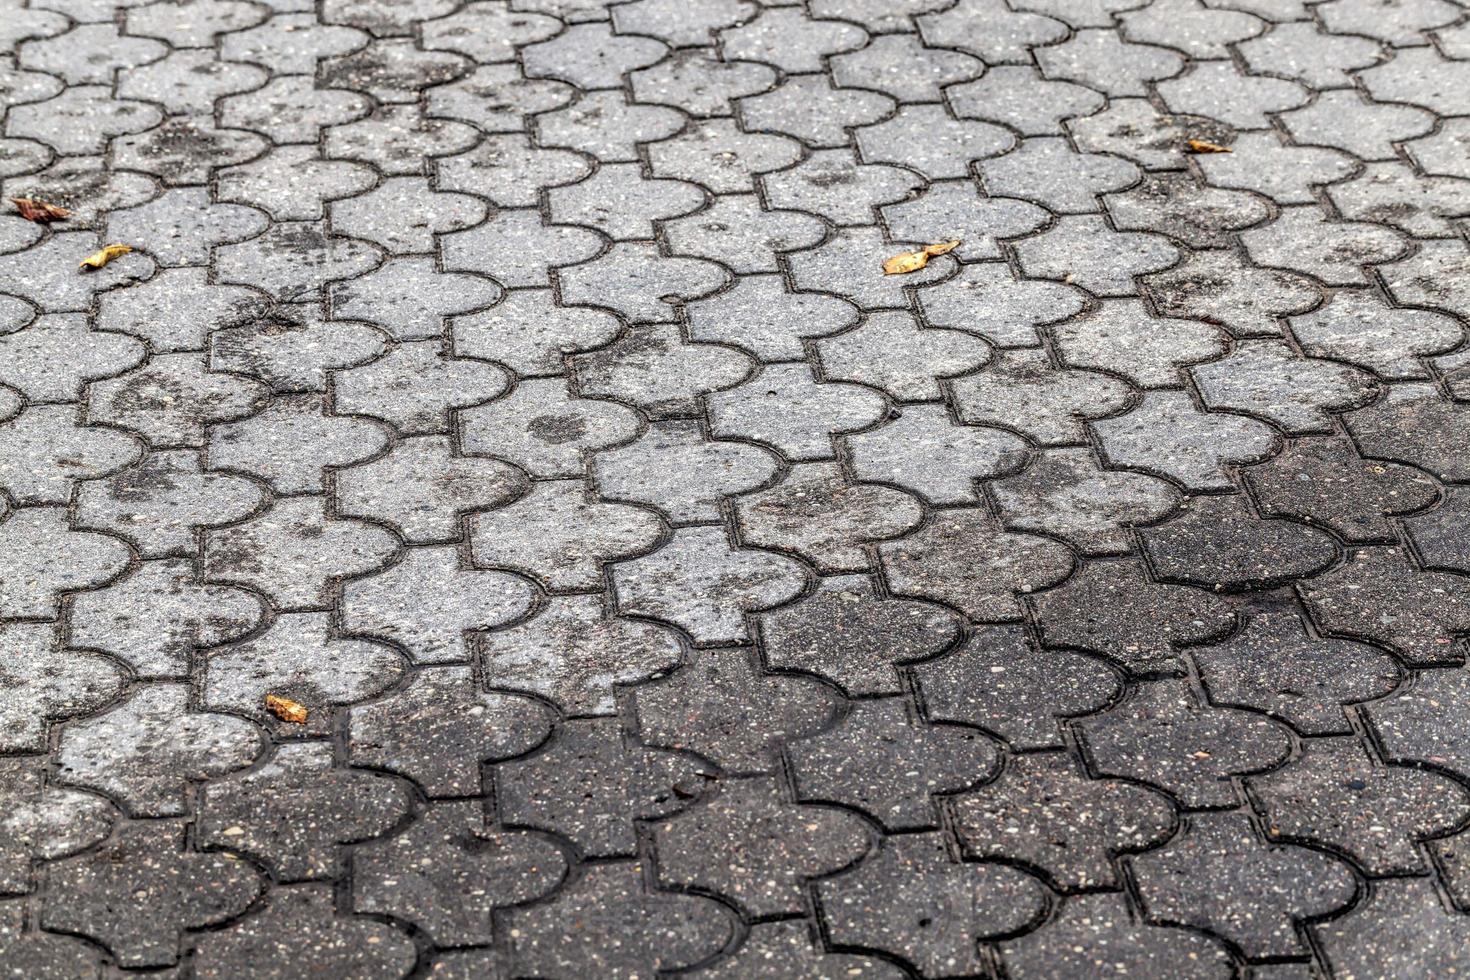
{"points": [[499, 520]]}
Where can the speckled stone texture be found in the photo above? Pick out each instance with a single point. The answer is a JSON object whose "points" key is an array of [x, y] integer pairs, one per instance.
{"points": [[514, 384]]}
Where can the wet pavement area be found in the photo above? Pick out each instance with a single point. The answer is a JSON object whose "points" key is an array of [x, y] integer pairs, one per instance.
{"points": [[499, 520]]}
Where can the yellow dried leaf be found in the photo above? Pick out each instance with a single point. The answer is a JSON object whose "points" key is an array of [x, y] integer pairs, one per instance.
{"points": [[286, 709], [906, 262], [40, 212], [1205, 146], [105, 255]]}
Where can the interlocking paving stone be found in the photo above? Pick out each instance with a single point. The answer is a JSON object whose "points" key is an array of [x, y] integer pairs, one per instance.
{"points": [[958, 558], [708, 707], [817, 515], [1376, 938], [561, 534], [1274, 665], [44, 822], [1026, 694], [1380, 594], [1439, 533], [1094, 935], [912, 900], [297, 658], [1361, 329], [1166, 735], [1333, 794], [299, 929], [46, 685], [440, 728], [141, 753], [1181, 883], [1215, 542], [1177, 205], [851, 635], [784, 950], [592, 782], [755, 848], [295, 812], [654, 370], [890, 765], [1119, 610], [1024, 391], [1065, 493], [137, 892], [43, 954], [1044, 812], [1119, 338], [1326, 482], [448, 872], [572, 652], [891, 353], [609, 922], [515, 385], [152, 620]]}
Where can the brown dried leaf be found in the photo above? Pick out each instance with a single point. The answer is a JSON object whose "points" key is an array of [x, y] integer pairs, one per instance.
{"points": [[40, 212], [104, 255], [906, 262], [286, 709], [1205, 146]]}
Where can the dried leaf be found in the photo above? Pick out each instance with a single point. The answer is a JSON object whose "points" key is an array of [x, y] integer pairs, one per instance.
{"points": [[286, 709], [1205, 146], [907, 262], [105, 255], [40, 212]]}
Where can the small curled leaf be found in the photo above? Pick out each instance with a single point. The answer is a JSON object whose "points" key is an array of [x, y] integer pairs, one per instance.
{"points": [[1205, 146], [286, 709], [41, 212], [104, 255], [906, 262]]}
